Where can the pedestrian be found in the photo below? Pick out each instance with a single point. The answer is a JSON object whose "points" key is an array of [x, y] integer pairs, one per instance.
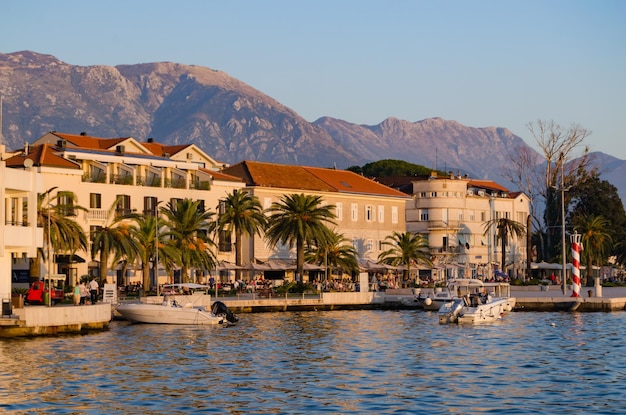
{"points": [[84, 293], [77, 294], [93, 290]]}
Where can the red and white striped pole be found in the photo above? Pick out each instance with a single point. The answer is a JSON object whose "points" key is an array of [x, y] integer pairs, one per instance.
{"points": [[577, 246]]}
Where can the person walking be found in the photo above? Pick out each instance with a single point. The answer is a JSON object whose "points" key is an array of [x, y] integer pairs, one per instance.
{"points": [[93, 290]]}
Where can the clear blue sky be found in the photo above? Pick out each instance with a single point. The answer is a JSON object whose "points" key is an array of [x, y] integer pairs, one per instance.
{"points": [[481, 63]]}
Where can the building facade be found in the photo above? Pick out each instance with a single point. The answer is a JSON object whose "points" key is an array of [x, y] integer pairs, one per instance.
{"points": [[367, 212], [453, 212], [143, 176]]}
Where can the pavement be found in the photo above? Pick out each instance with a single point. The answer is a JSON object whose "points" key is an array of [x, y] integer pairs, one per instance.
{"points": [[555, 291]]}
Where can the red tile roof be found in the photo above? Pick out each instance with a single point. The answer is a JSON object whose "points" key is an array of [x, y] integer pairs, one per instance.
{"points": [[307, 178], [43, 155]]}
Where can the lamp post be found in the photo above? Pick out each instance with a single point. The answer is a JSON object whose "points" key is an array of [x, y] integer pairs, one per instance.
{"points": [[563, 254], [156, 246], [49, 259]]}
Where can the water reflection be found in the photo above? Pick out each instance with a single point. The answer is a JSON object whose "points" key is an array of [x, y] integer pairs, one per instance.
{"points": [[343, 362]]}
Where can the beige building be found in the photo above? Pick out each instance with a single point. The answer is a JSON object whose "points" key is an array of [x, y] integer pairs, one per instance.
{"points": [[19, 235], [453, 210], [367, 211], [143, 174]]}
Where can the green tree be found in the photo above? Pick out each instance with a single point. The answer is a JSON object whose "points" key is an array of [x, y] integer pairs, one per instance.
{"points": [[595, 197], [112, 241], [595, 239], [55, 215], [334, 251], [189, 227], [405, 249], [144, 232], [504, 227], [299, 219], [243, 215]]}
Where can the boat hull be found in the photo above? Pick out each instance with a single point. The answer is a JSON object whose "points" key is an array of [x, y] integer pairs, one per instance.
{"points": [[164, 314], [492, 311]]}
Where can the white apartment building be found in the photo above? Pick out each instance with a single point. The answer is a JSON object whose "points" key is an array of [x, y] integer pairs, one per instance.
{"points": [[19, 235], [453, 210], [146, 175]]}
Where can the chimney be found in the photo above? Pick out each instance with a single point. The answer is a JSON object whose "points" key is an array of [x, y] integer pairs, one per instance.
{"points": [[84, 134], [150, 140]]}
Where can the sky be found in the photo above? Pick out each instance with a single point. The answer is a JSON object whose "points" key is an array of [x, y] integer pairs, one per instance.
{"points": [[482, 63]]}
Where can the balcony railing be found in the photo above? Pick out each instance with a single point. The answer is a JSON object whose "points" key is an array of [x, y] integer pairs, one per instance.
{"points": [[126, 179], [176, 183], [206, 185], [440, 224], [95, 178], [149, 182]]}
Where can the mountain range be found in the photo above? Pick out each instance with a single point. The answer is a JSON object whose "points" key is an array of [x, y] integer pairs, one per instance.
{"points": [[230, 120]]}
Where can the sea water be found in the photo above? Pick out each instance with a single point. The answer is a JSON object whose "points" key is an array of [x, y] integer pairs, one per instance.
{"points": [[335, 362]]}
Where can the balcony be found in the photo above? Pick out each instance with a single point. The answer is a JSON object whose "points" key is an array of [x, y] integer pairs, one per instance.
{"points": [[94, 178], [206, 185], [176, 183], [440, 224], [125, 179], [153, 181], [457, 249]]}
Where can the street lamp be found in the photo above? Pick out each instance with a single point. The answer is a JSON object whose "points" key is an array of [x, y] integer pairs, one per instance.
{"points": [[156, 246], [49, 260]]}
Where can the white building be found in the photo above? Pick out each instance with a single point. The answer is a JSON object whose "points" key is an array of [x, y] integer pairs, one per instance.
{"points": [[453, 210], [19, 235], [143, 174]]}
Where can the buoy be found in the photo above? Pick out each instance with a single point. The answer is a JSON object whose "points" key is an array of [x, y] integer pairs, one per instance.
{"points": [[553, 324], [428, 301]]}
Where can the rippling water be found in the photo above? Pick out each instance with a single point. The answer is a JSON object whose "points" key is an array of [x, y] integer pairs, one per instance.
{"points": [[340, 362]]}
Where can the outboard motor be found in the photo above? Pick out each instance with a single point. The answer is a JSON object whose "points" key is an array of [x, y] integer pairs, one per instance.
{"points": [[220, 309]]}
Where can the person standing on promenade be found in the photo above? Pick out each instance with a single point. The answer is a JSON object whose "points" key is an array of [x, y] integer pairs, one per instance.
{"points": [[93, 289], [77, 294], [84, 293]]}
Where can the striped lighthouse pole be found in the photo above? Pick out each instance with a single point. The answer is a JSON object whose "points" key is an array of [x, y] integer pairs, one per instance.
{"points": [[577, 246]]}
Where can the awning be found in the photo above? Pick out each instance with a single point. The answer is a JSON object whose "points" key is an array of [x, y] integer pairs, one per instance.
{"points": [[68, 259]]}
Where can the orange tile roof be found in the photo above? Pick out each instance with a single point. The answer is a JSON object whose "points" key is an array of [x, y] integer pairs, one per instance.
{"points": [[43, 155], [87, 142], [307, 178], [221, 175], [487, 184]]}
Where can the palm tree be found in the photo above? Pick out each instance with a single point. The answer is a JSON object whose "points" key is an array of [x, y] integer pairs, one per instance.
{"points": [[243, 214], [335, 251], [405, 249], [145, 232], [298, 219], [595, 239], [188, 229], [55, 217], [113, 241], [504, 227]]}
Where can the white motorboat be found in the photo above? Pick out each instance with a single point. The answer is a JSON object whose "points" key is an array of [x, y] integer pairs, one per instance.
{"points": [[455, 289], [485, 305], [171, 312]]}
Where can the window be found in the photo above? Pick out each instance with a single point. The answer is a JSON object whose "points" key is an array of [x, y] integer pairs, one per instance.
{"points": [[66, 204], [423, 194], [95, 201], [424, 215], [355, 212], [339, 210], [369, 213], [433, 194], [369, 245], [150, 205], [225, 243], [93, 230], [174, 202], [483, 216], [471, 215], [380, 244], [123, 205], [394, 214], [381, 214]]}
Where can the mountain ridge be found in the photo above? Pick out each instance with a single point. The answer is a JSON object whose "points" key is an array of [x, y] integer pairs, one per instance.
{"points": [[229, 119]]}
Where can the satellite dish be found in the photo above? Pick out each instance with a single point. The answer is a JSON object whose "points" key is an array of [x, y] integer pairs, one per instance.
{"points": [[28, 163]]}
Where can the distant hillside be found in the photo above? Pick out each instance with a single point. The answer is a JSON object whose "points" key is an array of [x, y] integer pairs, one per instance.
{"points": [[230, 120]]}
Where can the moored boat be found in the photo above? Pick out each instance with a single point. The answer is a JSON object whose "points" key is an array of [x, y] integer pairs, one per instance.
{"points": [[488, 303]]}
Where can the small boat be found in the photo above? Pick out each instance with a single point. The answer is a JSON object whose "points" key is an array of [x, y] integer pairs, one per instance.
{"points": [[479, 306], [172, 312], [454, 290]]}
